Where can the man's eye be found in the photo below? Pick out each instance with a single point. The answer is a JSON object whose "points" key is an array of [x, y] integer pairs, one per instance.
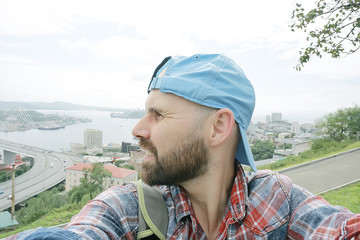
{"points": [[158, 115]]}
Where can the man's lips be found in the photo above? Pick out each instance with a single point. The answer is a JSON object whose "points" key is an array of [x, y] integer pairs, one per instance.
{"points": [[148, 153]]}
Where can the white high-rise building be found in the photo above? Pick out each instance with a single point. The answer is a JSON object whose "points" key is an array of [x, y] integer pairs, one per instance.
{"points": [[92, 138], [267, 119], [295, 128], [276, 116]]}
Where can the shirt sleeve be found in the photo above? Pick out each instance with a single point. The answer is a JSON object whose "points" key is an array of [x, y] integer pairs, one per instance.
{"points": [[111, 215], [312, 217]]}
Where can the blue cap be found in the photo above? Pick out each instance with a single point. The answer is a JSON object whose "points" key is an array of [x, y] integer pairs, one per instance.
{"points": [[212, 80]]}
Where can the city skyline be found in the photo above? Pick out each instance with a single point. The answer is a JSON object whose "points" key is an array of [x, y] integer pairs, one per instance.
{"points": [[255, 117]]}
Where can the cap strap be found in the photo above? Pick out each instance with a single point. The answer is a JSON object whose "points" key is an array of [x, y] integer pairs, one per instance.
{"points": [[157, 70]]}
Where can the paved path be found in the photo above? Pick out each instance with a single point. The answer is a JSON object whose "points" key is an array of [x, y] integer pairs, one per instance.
{"points": [[324, 174]]}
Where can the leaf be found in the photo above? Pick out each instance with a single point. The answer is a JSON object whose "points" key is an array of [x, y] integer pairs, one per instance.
{"points": [[335, 30]]}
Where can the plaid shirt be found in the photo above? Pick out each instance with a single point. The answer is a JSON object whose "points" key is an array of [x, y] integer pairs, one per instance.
{"points": [[262, 205]]}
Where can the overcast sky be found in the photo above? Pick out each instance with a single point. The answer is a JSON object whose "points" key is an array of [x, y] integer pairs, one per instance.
{"points": [[103, 53]]}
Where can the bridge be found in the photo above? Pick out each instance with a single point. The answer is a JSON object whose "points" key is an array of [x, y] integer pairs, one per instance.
{"points": [[48, 170]]}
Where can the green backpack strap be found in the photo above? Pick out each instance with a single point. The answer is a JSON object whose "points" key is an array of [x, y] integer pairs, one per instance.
{"points": [[153, 215]]}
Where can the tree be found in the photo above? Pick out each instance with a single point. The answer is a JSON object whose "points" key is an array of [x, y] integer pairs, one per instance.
{"points": [[91, 183], [41, 205], [5, 176], [20, 170], [263, 150], [77, 193], [339, 34], [97, 174], [128, 166], [342, 125], [119, 162]]}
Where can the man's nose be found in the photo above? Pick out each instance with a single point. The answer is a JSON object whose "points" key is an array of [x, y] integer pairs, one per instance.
{"points": [[141, 129]]}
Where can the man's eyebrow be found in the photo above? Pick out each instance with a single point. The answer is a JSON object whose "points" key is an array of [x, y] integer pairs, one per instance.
{"points": [[154, 109]]}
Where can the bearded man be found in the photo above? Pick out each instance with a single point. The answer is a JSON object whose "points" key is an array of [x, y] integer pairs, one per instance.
{"points": [[194, 133]]}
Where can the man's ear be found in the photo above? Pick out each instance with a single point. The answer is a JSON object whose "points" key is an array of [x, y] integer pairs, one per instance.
{"points": [[222, 126]]}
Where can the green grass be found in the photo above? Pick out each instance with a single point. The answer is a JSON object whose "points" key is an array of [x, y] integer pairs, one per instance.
{"points": [[352, 146], [310, 155], [348, 196], [55, 217]]}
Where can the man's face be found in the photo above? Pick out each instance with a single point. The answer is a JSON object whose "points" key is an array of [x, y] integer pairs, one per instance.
{"points": [[172, 137]]}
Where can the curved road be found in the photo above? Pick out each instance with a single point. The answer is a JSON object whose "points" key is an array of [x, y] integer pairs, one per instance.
{"points": [[327, 173], [47, 171]]}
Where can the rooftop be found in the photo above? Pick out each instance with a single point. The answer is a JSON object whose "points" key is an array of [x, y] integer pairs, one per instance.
{"points": [[6, 220], [115, 171]]}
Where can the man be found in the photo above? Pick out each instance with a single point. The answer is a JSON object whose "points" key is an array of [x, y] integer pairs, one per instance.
{"points": [[194, 133]]}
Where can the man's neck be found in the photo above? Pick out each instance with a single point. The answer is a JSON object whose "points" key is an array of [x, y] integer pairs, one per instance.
{"points": [[209, 195]]}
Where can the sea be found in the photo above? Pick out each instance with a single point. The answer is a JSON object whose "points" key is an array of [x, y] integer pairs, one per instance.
{"points": [[115, 130]]}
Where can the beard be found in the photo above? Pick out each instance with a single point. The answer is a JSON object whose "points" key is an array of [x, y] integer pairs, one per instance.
{"points": [[179, 164]]}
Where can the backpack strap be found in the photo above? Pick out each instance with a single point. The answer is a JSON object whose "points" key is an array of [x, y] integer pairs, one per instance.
{"points": [[153, 215]]}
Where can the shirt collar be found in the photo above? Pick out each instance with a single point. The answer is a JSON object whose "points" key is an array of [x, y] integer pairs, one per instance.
{"points": [[237, 203], [238, 200], [182, 202]]}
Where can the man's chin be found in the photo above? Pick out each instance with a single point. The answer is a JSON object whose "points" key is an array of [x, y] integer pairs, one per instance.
{"points": [[150, 182], [152, 179]]}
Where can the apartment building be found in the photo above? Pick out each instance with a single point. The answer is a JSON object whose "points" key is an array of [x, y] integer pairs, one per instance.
{"points": [[119, 175], [93, 138]]}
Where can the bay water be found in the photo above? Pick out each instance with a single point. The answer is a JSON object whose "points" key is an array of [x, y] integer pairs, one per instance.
{"points": [[115, 130]]}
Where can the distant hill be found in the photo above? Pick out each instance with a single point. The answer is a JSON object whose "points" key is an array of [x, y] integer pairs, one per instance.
{"points": [[52, 106]]}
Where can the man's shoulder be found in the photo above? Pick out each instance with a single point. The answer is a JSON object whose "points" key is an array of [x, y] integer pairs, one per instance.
{"points": [[128, 189], [268, 201], [263, 180], [122, 197]]}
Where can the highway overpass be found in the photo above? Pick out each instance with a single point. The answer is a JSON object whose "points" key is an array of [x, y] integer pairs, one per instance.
{"points": [[48, 170]]}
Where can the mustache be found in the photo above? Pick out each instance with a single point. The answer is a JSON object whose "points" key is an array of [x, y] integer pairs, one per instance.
{"points": [[148, 145]]}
